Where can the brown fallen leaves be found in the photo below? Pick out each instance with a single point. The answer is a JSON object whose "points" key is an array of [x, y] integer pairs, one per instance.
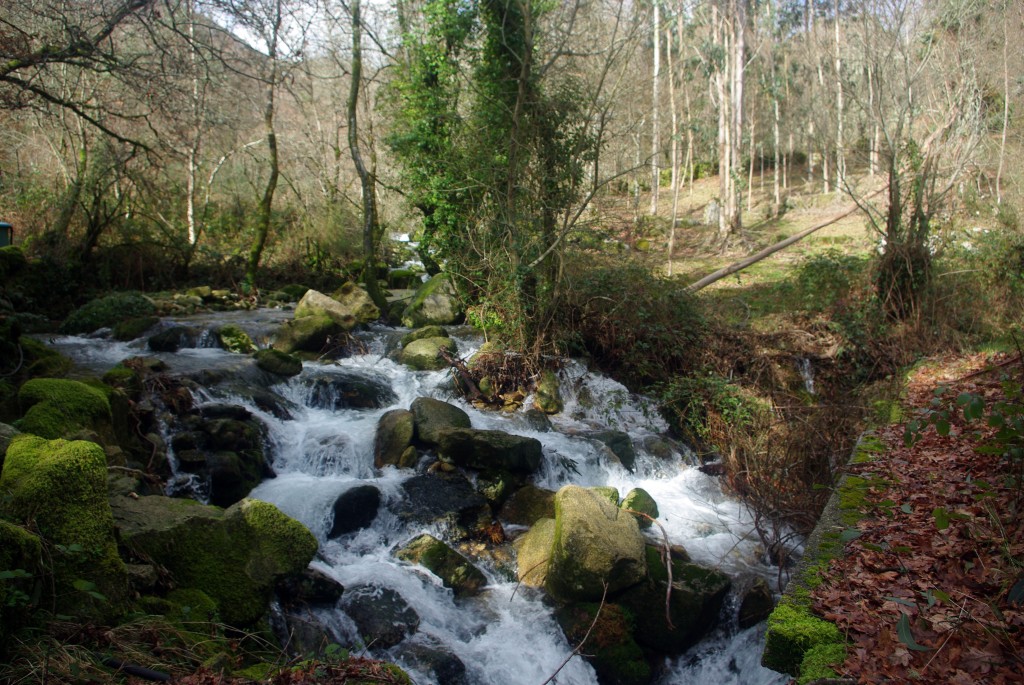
{"points": [[922, 593], [351, 671]]}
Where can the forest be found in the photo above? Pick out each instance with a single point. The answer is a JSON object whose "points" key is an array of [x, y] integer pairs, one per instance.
{"points": [[792, 228]]}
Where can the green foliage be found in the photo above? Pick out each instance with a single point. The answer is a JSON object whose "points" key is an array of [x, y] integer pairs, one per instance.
{"points": [[698, 405], [638, 327], [823, 279], [107, 311]]}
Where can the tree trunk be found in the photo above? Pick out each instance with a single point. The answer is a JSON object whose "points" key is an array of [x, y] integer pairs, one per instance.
{"points": [[366, 179], [655, 132], [840, 151], [675, 150], [1006, 116]]}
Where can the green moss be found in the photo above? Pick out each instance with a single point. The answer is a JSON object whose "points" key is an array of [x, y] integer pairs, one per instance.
{"points": [[234, 339], [41, 361], [61, 487], [12, 260], [611, 648], [425, 332], [106, 311], [792, 632], [21, 555], [281, 538], [278, 362], [640, 501], [56, 408], [133, 328], [188, 605], [818, 662], [607, 492]]}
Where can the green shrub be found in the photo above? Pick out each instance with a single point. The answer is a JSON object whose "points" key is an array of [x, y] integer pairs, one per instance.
{"points": [[825, 278], [107, 311], [638, 327]]}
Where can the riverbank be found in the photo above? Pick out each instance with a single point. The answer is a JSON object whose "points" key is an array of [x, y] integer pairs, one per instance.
{"points": [[926, 582]]}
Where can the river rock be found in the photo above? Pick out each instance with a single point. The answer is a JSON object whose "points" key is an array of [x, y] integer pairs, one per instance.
{"points": [[489, 449], [59, 408], [357, 302], [640, 501], [454, 570], [382, 616], [348, 390], [425, 332], [355, 509], [533, 553], [434, 303], [278, 363], [392, 445], [425, 354], [548, 396], [696, 601], [174, 338], [596, 544], [757, 603], [431, 416], [619, 443], [60, 489], [235, 555], [224, 444], [430, 656], [447, 500], [527, 505], [313, 333], [615, 655], [314, 304], [234, 339], [310, 587]]}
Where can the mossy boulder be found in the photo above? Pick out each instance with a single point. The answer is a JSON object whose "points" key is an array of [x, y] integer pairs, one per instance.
{"points": [[756, 605], [278, 363], [357, 302], [489, 449], [640, 501], [425, 332], [7, 433], [454, 570], [312, 333], [434, 303], [607, 492], [695, 604], [130, 329], [610, 649], [106, 311], [548, 395], [527, 505], [41, 361], [56, 408], [61, 487], [234, 555], [431, 416], [533, 552], [425, 354], [819, 663], [346, 315], [392, 445], [793, 632], [234, 339], [596, 545]]}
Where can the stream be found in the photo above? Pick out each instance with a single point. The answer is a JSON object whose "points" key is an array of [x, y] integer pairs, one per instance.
{"points": [[507, 635]]}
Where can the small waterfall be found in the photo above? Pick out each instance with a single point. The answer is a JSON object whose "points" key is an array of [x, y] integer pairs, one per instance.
{"points": [[321, 426], [807, 373]]}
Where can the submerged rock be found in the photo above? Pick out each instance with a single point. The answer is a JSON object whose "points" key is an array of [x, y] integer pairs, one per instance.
{"points": [[489, 449], [348, 390], [278, 363], [448, 500], [382, 616], [174, 338], [612, 650], [310, 587], [429, 655], [454, 570], [354, 509], [619, 443], [756, 605]]}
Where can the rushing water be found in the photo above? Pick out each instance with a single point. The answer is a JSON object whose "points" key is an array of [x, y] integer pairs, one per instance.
{"points": [[506, 636]]}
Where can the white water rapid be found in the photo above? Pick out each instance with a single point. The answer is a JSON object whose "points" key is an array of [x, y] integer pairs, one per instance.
{"points": [[507, 635]]}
